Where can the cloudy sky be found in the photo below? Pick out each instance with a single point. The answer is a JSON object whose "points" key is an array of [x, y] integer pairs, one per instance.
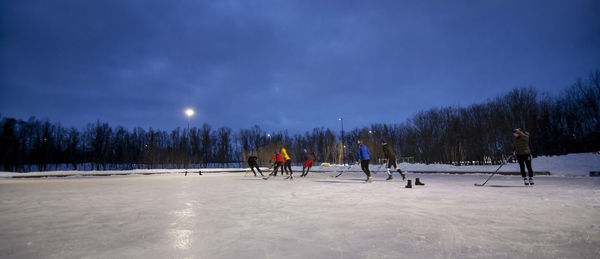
{"points": [[282, 64]]}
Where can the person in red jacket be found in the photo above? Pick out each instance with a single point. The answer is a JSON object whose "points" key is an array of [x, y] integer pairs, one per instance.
{"points": [[308, 163], [278, 162]]}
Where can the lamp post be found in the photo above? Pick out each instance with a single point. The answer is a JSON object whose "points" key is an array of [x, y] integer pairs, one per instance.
{"points": [[343, 146], [372, 136], [189, 113], [269, 135]]}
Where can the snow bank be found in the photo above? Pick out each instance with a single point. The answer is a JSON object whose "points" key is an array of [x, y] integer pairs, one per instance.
{"points": [[566, 165], [571, 165], [118, 172]]}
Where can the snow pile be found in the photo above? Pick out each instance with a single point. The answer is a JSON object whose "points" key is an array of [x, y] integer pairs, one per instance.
{"points": [[571, 164], [566, 165], [119, 172]]}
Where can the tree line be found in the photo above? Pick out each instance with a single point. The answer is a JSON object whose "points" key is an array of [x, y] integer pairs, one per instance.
{"points": [[479, 133]]}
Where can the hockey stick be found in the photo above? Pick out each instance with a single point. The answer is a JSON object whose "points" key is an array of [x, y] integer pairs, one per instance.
{"points": [[272, 173], [379, 169], [343, 171], [506, 162]]}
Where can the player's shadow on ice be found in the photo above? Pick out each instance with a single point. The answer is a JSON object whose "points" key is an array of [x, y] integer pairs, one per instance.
{"points": [[506, 186], [346, 180]]}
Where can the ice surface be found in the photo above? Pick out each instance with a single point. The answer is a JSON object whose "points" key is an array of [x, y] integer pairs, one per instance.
{"points": [[235, 216]]}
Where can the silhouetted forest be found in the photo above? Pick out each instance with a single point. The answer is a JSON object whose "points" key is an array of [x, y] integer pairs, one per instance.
{"points": [[480, 133]]}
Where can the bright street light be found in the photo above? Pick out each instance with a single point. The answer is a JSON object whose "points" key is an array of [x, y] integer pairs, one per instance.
{"points": [[189, 112]]}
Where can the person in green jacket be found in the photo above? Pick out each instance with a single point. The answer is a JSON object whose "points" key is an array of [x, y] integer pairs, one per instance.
{"points": [[523, 153]]}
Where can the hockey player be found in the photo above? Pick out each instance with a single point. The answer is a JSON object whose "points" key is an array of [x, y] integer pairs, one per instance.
{"points": [[278, 162], [308, 163], [523, 153], [363, 156], [287, 164], [390, 158], [253, 163]]}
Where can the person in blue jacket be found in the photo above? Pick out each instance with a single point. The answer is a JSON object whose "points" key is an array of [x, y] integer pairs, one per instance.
{"points": [[363, 156]]}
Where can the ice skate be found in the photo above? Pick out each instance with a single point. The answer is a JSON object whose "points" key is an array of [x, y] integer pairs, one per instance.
{"points": [[525, 181], [369, 179], [389, 177], [530, 180]]}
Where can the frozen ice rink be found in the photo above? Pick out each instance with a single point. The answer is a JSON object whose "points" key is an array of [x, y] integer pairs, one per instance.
{"points": [[226, 215]]}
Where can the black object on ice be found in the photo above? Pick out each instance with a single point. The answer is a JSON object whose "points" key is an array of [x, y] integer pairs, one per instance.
{"points": [[477, 184], [343, 171], [418, 182], [409, 184], [199, 173]]}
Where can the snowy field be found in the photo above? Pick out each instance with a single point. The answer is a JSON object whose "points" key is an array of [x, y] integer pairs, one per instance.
{"points": [[222, 215]]}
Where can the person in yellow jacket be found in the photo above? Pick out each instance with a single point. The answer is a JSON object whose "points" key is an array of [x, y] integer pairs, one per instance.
{"points": [[287, 164]]}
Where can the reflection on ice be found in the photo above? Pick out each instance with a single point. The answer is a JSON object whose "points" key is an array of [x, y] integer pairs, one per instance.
{"points": [[183, 214], [182, 238]]}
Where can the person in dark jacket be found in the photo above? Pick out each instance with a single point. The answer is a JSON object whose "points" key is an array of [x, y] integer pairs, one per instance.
{"points": [[253, 163], [363, 156], [308, 163], [523, 153], [390, 158]]}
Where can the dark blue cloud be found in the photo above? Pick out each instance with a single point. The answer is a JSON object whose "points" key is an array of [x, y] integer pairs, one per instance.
{"points": [[282, 64]]}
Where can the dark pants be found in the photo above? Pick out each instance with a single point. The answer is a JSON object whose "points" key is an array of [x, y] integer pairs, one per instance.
{"points": [[275, 167], [525, 160], [305, 173], [288, 166], [252, 166], [307, 165], [364, 165], [391, 162]]}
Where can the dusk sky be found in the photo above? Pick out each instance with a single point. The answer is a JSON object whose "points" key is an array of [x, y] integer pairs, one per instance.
{"points": [[280, 64]]}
